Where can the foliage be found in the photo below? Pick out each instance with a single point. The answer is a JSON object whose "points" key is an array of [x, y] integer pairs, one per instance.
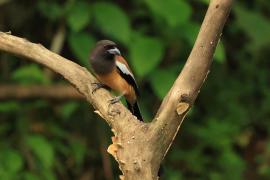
{"points": [[225, 135]]}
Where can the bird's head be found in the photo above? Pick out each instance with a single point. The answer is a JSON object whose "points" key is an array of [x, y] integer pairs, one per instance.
{"points": [[106, 50]]}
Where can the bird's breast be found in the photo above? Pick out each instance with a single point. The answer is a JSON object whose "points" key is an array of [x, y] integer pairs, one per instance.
{"points": [[119, 84], [102, 66]]}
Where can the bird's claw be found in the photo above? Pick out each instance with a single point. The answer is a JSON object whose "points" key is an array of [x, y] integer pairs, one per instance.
{"points": [[96, 86], [114, 111], [115, 100]]}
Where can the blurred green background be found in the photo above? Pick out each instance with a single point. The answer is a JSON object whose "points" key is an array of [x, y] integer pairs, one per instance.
{"points": [[226, 133]]}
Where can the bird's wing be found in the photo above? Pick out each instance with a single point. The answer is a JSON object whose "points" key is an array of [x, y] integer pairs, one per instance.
{"points": [[126, 73]]}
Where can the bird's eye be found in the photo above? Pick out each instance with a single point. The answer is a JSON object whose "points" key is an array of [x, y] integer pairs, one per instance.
{"points": [[109, 47]]}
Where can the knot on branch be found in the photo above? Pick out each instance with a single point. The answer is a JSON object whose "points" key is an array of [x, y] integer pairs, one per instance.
{"points": [[137, 166], [182, 107], [183, 104]]}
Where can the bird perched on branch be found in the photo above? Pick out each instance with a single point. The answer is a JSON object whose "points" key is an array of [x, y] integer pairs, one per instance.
{"points": [[112, 71]]}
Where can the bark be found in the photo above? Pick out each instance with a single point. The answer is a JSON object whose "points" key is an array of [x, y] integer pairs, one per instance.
{"points": [[138, 147], [55, 92]]}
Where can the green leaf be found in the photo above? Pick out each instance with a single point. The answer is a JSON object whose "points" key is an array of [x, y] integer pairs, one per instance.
{"points": [[51, 10], [79, 16], [194, 158], [30, 74], [81, 44], [219, 55], [79, 151], [175, 12], [190, 31], [112, 21], [173, 174], [232, 165], [48, 174], [256, 26], [58, 131], [216, 133], [264, 169], [158, 79], [4, 128], [11, 161], [68, 109], [30, 176], [205, 1], [145, 54], [10, 106], [42, 148]]}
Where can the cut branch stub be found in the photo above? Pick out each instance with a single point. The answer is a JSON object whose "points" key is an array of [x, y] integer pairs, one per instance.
{"points": [[182, 107]]}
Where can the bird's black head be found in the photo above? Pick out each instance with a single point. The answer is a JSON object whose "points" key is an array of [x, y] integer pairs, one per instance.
{"points": [[102, 57], [105, 49]]}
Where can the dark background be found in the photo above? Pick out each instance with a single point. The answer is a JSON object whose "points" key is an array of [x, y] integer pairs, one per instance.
{"points": [[226, 133]]}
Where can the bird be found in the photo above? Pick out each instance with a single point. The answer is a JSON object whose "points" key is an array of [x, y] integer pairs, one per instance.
{"points": [[113, 72]]}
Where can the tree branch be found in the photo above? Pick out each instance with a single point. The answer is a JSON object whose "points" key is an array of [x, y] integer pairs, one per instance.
{"points": [[75, 74], [187, 86], [138, 147], [56, 92]]}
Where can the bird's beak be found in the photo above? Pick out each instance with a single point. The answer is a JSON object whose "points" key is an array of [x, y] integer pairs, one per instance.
{"points": [[114, 51]]}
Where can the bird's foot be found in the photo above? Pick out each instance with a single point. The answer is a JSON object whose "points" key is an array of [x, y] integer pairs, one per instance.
{"points": [[115, 100], [96, 86]]}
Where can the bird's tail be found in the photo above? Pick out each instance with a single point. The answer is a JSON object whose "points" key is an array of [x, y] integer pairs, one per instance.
{"points": [[135, 110]]}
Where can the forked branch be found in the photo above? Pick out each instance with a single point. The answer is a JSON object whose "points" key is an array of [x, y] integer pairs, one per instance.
{"points": [[138, 147]]}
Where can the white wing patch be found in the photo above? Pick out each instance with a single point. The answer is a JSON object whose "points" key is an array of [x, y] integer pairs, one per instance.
{"points": [[124, 69]]}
